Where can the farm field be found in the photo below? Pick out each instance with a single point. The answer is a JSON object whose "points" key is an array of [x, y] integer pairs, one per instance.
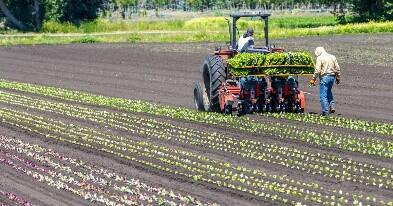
{"points": [[73, 131]]}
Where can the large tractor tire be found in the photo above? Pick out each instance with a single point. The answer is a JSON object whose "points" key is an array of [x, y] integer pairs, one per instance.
{"points": [[213, 73]]}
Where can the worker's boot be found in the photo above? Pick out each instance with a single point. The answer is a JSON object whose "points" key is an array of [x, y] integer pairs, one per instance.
{"points": [[331, 110]]}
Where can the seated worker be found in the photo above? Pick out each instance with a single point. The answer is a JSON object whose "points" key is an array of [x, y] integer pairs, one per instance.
{"points": [[246, 44], [246, 41]]}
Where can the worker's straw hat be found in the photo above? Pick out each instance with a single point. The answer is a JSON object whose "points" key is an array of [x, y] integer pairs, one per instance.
{"points": [[319, 51]]}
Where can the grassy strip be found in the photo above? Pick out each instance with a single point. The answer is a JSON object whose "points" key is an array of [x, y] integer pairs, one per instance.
{"points": [[194, 24], [142, 37], [192, 35], [370, 146]]}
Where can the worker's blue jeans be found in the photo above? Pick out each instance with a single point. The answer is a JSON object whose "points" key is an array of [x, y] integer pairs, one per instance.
{"points": [[325, 93]]}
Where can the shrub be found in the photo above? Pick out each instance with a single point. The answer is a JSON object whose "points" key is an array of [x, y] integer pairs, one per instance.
{"points": [[56, 27], [86, 40]]}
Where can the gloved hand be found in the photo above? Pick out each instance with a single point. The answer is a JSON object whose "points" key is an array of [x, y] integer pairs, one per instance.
{"points": [[338, 79], [312, 82]]}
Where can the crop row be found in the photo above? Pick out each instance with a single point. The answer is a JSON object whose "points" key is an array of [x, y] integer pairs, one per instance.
{"points": [[89, 181], [313, 163], [334, 121], [369, 145], [55, 179], [13, 198], [182, 113], [187, 164]]}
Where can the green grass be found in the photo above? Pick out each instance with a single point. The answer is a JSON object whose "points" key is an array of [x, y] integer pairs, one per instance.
{"points": [[191, 30], [104, 25], [202, 23], [86, 40]]}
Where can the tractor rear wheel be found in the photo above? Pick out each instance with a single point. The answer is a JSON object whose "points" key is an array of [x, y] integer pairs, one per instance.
{"points": [[214, 75]]}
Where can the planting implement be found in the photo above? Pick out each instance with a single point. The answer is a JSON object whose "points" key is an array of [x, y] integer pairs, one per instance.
{"points": [[263, 79]]}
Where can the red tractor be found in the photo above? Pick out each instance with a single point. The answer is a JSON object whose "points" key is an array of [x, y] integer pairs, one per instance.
{"points": [[221, 92]]}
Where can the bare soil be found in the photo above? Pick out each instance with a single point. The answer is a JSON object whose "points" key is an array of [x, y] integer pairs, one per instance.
{"points": [[164, 73]]}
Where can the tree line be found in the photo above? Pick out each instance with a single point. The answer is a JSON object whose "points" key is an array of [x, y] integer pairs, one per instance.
{"points": [[28, 15]]}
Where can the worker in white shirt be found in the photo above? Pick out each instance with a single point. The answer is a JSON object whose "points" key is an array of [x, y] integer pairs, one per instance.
{"points": [[246, 41], [328, 71]]}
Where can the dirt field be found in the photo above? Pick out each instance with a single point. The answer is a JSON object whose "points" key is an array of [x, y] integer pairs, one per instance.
{"points": [[164, 73]]}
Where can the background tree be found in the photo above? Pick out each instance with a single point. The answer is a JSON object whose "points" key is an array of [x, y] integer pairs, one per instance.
{"points": [[75, 11], [10, 17], [389, 10], [373, 9], [339, 8], [28, 15], [124, 5], [23, 14]]}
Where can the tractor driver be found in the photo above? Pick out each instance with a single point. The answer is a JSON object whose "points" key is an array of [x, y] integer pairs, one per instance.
{"points": [[245, 44], [246, 41]]}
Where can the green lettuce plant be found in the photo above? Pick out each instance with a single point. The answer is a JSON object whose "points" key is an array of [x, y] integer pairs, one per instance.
{"points": [[271, 63]]}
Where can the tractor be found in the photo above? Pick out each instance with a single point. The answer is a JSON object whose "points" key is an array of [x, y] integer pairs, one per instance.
{"points": [[221, 92]]}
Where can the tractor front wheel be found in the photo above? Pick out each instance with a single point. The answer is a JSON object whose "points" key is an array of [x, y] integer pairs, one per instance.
{"points": [[200, 98]]}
